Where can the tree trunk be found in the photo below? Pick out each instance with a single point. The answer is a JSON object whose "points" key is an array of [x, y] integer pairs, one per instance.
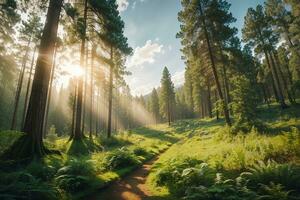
{"points": [[110, 95], [284, 81], [276, 79], [73, 112], [92, 90], [49, 93], [225, 106], [217, 105], [19, 87], [85, 104], [169, 112], [209, 100], [78, 134], [31, 144], [28, 87]]}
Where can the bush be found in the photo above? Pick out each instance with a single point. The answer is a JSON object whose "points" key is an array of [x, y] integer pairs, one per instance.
{"points": [[181, 174], [222, 190], [41, 171], [139, 151], [76, 175], [120, 158], [287, 175], [23, 185]]}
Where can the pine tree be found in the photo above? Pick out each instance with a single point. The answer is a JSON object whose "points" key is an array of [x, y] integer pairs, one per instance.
{"points": [[258, 32], [154, 105], [31, 144], [167, 96]]}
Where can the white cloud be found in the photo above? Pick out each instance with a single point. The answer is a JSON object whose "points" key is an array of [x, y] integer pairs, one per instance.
{"points": [[178, 78], [122, 5], [144, 54]]}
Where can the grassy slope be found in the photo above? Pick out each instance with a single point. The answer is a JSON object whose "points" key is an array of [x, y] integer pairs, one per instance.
{"points": [[210, 141], [88, 158]]}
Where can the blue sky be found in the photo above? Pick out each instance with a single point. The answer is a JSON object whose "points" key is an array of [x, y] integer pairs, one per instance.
{"points": [[151, 26]]}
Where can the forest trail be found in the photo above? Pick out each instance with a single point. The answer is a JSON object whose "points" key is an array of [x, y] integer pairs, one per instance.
{"points": [[131, 187]]}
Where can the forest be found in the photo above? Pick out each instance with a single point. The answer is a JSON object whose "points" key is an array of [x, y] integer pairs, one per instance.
{"points": [[72, 126]]}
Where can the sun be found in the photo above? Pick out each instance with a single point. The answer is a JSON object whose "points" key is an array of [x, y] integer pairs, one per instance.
{"points": [[68, 71]]}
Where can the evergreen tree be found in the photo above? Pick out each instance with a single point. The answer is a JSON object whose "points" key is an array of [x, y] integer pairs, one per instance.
{"points": [[154, 105], [167, 96]]}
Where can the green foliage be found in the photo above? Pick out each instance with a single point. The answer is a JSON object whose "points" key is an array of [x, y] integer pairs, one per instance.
{"points": [[286, 175], [244, 106], [19, 185], [120, 158], [77, 175], [183, 173], [7, 138]]}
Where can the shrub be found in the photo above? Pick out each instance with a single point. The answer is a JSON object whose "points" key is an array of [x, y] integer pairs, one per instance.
{"points": [[23, 185], [41, 170], [120, 158], [139, 151], [221, 190], [287, 175], [184, 173], [76, 175]]}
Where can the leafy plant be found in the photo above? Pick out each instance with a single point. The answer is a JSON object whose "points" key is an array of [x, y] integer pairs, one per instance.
{"points": [[120, 158]]}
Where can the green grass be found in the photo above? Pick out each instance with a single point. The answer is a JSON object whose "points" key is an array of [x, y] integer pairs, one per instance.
{"points": [[211, 142], [203, 152], [88, 165]]}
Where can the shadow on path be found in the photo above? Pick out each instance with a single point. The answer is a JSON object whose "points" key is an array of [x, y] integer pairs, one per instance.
{"points": [[132, 187]]}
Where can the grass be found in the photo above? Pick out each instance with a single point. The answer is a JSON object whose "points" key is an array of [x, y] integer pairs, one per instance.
{"points": [[87, 165], [211, 142], [205, 160]]}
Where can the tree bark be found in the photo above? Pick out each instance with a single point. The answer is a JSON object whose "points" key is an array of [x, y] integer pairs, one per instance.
{"points": [[28, 87], [110, 95], [49, 93], [31, 144], [19, 87], [78, 134], [225, 106], [284, 81], [92, 90], [276, 79], [85, 89], [209, 100]]}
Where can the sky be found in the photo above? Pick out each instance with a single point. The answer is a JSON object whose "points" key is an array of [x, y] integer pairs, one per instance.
{"points": [[151, 27]]}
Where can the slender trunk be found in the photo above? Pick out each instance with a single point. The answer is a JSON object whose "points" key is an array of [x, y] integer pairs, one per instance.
{"points": [[225, 106], [265, 95], [85, 104], [226, 84], [276, 79], [97, 111], [284, 81], [19, 87], [78, 134], [28, 87], [169, 112], [74, 112], [91, 90], [209, 100], [49, 93], [217, 105], [110, 95]]}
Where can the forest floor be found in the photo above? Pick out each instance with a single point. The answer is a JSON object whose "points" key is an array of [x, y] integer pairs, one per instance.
{"points": [[131, 187], [158, 162]]}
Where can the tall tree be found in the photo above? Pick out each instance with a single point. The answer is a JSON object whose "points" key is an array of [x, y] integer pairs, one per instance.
{"points": [[154, 105], [167, 96], [31, 144], [258, 32]]}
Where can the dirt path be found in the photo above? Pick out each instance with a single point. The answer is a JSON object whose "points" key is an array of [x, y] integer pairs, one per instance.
{"points": [[132, 187]]}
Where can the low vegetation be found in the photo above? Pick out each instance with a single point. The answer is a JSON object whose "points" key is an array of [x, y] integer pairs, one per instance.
{"points": [[84, 166], [215, 163]]}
